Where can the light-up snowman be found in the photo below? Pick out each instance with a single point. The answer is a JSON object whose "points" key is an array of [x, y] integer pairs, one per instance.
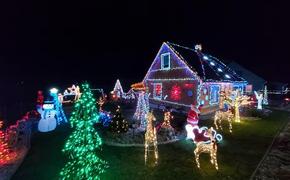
{"points": [[48, 118]]}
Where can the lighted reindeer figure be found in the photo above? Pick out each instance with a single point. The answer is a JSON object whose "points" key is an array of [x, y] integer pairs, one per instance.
{"points": [[207, 147], [101, 102], [236, 101], [151, 137], [222, 116]]}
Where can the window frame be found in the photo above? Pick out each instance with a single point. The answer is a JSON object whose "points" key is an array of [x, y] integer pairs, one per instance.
{"points": [[162, 61], [217, 95], [154, 91]]}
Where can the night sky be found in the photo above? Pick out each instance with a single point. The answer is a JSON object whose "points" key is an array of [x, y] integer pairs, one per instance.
{"points": [[60, 42]]}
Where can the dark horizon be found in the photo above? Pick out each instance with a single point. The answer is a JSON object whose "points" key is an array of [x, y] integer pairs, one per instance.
{"points": [[47, 43]]}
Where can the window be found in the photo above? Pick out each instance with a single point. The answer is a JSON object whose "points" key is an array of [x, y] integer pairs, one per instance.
{"points": [[157, 92], [165, 61], [214, 94], [240, 87]]}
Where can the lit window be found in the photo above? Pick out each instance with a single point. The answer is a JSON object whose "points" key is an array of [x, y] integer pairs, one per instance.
{"points": [[214, 94], [157, 92], [165, 61]]}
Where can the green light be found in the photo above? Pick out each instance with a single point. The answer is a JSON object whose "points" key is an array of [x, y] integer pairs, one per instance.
{"points": [[84, 142]]}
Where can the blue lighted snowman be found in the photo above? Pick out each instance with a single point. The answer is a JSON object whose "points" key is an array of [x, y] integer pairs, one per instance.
{"points": [[48, 118]]}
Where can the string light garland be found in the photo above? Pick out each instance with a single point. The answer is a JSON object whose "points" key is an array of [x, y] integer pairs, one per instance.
{"points": [[84, 142], [138, 86], [119, 124], [151, 137], [4, 150]]}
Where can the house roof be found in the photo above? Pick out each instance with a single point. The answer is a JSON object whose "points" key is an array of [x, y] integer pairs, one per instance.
{"points": [[208, 67], [257, 81]]}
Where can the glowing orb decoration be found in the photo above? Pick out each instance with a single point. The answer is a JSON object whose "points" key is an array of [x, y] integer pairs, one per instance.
{"points": [[176, 93]]}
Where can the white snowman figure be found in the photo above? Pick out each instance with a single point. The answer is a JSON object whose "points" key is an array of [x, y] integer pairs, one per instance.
{"points": [[48, 118], [259, 98]]}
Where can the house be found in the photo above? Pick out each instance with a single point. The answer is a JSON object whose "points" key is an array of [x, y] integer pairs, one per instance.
{"points": [[254, 80], [180, 76]]}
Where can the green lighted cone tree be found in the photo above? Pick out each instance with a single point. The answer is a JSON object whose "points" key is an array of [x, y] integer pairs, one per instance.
{"points": [[84, 142]]}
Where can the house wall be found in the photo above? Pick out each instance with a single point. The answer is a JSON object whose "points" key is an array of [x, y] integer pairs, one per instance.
{"points": [[174, 93], [179, 82]]}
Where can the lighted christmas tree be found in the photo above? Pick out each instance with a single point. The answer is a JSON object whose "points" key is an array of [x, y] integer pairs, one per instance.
{"points": [[265, 98], [119, 123], [4, 150], [118, 89], [84, 142], [142, 109]]}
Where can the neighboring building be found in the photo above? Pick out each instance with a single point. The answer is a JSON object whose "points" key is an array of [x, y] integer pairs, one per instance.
{"points": [[180, 76], [254, 80]]}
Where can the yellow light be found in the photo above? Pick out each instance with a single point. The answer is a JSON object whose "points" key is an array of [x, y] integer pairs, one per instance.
{"points": [[167, 119], [151, 137], [221, 116], [209, 148]]}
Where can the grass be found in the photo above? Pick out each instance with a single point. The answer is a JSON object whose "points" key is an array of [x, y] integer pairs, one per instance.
{"points": [[238, 155]]}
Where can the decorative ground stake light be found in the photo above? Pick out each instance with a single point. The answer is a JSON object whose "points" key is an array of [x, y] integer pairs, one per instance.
{"points": [[151, 138]]}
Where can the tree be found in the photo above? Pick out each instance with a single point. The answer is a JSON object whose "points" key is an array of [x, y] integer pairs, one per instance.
{"points": [[265, 99], [4, 150], [84, 142], [235, 102], [142, 109], [119, 123]]}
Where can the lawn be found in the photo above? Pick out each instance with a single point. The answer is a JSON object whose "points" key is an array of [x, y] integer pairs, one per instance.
{"points": [[238, 155]]}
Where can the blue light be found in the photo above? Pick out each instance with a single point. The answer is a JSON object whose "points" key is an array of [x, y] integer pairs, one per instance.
{"points": [[227, 76], [220, 70], [205, 57], [212, 63], [53, 91]]}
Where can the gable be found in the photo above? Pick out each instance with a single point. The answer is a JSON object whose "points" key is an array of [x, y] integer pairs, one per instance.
{"points": [[168, 65]]}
